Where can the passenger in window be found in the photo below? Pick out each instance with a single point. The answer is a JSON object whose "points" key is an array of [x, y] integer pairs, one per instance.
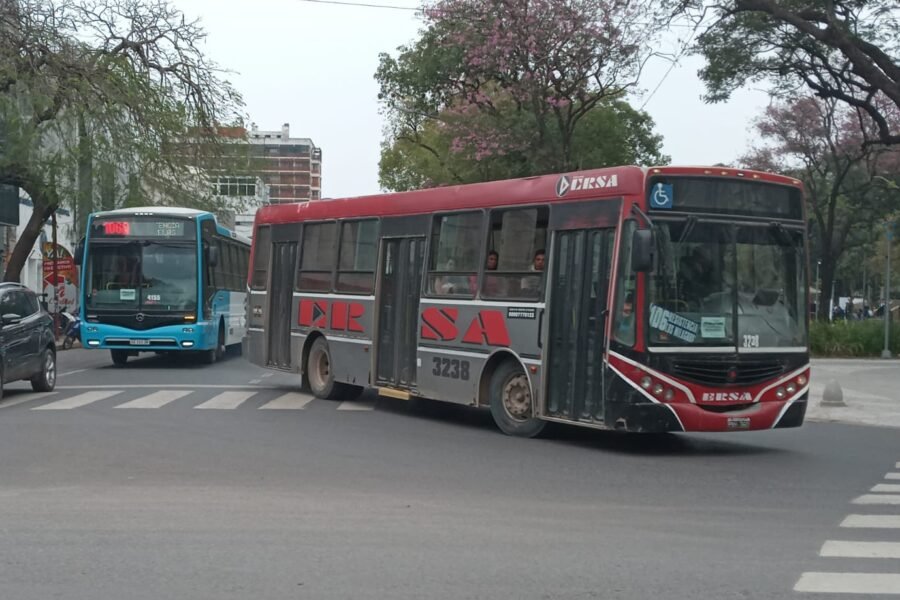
{"points": [[625, 322], [494, 285], [531, 284], [492, 260], [537, 264]]}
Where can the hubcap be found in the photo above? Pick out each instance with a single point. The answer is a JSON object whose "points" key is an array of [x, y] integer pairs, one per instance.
{"points": [[517, 397], [50, 369], [322, 369]]}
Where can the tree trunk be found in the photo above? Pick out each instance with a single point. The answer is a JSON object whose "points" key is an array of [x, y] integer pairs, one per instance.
{"points": [[26, 241], [827, 274]]}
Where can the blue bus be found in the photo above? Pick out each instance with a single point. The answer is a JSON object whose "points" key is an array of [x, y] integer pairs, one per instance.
{"points": [[162, 279]]}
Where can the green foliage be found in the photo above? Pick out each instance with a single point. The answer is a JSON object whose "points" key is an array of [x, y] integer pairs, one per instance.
{"points": [[852, 338], [844, 50]]}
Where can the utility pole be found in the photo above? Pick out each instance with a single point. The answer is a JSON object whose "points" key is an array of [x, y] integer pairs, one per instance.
{"points": [[889, 236], [55, 258]]}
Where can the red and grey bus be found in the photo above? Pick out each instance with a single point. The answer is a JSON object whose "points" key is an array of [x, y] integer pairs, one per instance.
{"points": [[629, 298]]}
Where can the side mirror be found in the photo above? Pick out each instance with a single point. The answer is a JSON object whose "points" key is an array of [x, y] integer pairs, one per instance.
{"points": [[11, 319], [642, 250], [79, 252], [212, 256]]}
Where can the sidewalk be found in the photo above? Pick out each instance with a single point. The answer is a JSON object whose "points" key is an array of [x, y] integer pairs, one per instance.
{"points": [[871, 390]]}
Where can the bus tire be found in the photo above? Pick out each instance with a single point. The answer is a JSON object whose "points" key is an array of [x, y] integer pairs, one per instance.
{"points": [[119, 357], [320, 373], [511, 404]]}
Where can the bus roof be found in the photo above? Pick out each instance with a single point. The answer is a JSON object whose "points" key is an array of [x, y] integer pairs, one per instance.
{"points": [[611, 182], [157, 210]]}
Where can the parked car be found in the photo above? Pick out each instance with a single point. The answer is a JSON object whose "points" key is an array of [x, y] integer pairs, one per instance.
{"points": [[27, 343]]}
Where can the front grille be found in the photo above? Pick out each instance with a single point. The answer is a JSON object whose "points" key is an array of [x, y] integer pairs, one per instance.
{"points": [[130, 320], [715, 372]]}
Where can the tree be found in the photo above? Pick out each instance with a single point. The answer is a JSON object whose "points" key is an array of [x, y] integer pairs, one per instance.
{"points": [[613, 133], [111, 82], [820, 143], [844, 50], [514, 78]]}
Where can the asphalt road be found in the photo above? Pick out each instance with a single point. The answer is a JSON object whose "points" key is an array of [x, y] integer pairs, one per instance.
{"points": [[169, 479]]}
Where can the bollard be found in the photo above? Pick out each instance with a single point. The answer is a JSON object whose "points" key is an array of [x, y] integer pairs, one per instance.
{"points": [[833, 395]]}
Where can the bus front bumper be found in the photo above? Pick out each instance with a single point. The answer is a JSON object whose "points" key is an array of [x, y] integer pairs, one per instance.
{"points": [[172, 337], [699, 418]]}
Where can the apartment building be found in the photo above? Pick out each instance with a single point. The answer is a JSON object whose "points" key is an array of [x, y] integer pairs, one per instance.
{"points": [[290, 167]]}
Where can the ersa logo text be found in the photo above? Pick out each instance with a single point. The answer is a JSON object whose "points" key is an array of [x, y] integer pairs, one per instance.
{"points": [[569, 183], [727, 397]]}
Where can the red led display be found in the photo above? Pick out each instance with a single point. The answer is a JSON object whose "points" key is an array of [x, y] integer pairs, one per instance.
{"points": [[116, 227]]}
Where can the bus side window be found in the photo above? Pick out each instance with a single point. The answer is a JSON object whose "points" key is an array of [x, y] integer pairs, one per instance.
{"points": [[515, 263], [359, 251], [455, 246], [262, 244], [319, 253], [624, 312]]}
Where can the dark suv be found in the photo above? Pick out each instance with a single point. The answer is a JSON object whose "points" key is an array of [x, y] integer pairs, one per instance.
{"points": [[27, 344]]}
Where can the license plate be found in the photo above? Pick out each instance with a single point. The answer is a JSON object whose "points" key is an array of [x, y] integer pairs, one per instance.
{"points": [[739, 423], [139, 342]]}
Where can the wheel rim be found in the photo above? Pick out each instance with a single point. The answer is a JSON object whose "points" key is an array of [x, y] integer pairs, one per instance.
{"points": [[517, 397], [50, 369], [321, 369]]}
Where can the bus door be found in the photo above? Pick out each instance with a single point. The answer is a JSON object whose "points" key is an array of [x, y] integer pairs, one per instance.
{"points": [[400, 275], [281, 299], [579, 282]]}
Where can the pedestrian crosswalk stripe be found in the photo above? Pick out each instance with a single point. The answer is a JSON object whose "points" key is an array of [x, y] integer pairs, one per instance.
{"points": [[860, 549], [849, 583], [878, 499], [289, 401], [226, 400], [15, 401], [79, 400], [356, 406], [892, 476], [156, 399], [872, 521], [887, 487]]}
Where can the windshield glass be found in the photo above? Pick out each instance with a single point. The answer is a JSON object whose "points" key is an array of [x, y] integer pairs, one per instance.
{"points": [[145, 275], [727, 285]]}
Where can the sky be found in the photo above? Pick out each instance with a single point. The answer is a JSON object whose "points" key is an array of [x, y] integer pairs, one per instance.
{"points": [[312, 65]]}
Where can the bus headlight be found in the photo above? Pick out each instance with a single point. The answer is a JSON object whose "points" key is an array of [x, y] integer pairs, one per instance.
{"points": [[780, 393]]}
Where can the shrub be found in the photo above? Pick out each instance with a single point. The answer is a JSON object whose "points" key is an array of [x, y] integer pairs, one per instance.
{"points": [[852, 338]]}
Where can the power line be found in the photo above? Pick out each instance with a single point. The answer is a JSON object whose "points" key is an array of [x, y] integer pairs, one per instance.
{"points": [[678, 56], [364, 5]]}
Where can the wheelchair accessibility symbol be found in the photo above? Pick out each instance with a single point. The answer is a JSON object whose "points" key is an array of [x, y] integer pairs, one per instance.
{"points": [[662, 196]]}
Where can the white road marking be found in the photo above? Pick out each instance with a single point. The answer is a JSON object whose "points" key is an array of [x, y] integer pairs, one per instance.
{"points": [[872, 521], [849, 583], [71, 372], [878, 499], [155, 386], [897, 465], [267, 375], [25, 398], [892, 476], [289, 401], [79, 400], [887, 487], [256, 381], [226, 400], [842, 549], [156, 399], [356, 406]]}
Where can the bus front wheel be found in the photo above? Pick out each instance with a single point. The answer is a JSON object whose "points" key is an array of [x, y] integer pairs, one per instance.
{"points": [[511, 404], [119, 357]]}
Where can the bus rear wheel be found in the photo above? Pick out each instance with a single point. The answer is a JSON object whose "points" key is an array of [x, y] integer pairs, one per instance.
{"points": [[320, 374], [511, 404]]}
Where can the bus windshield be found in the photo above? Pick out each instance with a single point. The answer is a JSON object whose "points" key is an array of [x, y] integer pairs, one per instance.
{"points": [[142, 275], [728, 286]]}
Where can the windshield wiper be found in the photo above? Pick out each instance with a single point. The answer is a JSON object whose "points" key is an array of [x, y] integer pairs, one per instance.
{"points": [[688, 228]]}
